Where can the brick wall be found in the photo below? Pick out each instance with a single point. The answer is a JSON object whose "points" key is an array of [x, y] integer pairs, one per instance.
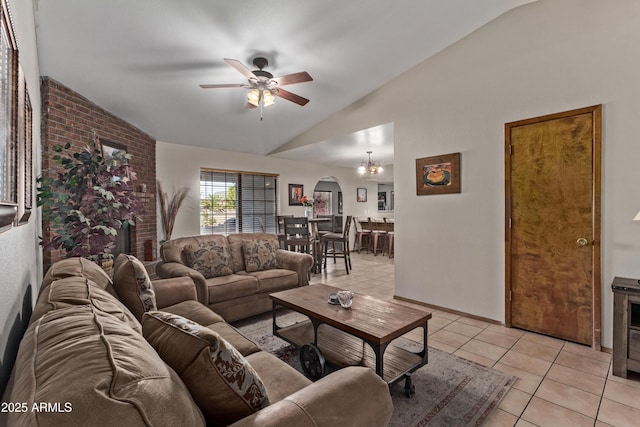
{"points": [[69, 117]]}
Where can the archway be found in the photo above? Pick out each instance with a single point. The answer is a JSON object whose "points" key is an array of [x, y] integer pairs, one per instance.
{"points": [[328, 202]]}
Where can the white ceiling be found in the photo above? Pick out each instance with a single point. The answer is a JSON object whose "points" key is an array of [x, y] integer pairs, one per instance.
{"points": [[144, 60]]}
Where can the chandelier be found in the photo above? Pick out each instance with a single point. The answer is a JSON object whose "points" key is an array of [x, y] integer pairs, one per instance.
{"points": [[370, 167]]}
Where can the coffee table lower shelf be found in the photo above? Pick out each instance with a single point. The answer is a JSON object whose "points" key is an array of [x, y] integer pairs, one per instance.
{"points": [[342, 349]]}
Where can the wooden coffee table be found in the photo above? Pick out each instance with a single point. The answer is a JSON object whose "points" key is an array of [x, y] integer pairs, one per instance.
{"points": [[344, 332]]}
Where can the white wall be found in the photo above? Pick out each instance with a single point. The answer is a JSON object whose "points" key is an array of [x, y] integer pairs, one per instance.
{"points": [[541, 58], [20, 256], [179, 166]]}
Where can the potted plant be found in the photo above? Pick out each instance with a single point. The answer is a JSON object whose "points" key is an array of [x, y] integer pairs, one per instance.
{"points": [[87, 200], [308, 206]]}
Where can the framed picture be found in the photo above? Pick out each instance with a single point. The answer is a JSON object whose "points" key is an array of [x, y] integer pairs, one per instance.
{"points": [[295, 194], [438, 174], [362, 195], [340, 202], [322, 203], [110, 148]]}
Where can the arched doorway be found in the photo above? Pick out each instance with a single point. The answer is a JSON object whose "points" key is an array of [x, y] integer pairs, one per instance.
{"points": [[328, 202]]}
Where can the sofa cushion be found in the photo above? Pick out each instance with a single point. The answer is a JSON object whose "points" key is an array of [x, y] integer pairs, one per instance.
{"points": [[211, 258], [133, 285], [280, 379], [231, 287], [235, 246], [219, 378], [100, 370], [195, 311], [78, 267], [259, 254], [275, 280], [202, 315], [234, 337], [74, 291]]}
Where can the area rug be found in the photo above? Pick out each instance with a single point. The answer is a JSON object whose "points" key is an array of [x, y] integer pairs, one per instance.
{"points": [[450, 390]]}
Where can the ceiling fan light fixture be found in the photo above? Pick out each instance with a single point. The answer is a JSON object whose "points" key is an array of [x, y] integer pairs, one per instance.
{"points": [[267, 98], [253, 97]]}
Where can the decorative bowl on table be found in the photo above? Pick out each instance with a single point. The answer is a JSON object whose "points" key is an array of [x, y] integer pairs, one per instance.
{"points": [[345, 298]]}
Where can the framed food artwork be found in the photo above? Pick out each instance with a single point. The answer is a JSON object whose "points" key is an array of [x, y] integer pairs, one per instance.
{"points": [[438, 174]]}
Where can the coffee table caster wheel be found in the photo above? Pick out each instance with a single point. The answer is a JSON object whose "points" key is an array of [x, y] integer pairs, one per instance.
{"points": [[312, 361], [409, 388]]}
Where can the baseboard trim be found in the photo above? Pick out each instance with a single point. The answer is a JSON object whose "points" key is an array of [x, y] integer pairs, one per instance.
{"points": [[461, 313], [448, 310]]}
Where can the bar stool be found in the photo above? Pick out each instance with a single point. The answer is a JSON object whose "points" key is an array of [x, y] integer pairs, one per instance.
{"points": [[361, 234], [376, 235], [343, 241], [389, 240]]}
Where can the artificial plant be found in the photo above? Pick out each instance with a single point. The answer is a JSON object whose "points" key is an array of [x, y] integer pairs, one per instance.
{"points": [[87, 199], [169, 207]]}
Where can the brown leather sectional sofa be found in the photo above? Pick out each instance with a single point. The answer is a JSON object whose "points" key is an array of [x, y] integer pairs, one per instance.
{"points": [[88, 360]]}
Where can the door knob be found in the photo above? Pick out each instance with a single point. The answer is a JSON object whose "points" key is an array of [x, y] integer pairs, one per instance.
{"points": [[582, 242]]}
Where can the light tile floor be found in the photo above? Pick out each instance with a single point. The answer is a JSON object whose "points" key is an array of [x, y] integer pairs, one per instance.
{"points": [[559, 383]]}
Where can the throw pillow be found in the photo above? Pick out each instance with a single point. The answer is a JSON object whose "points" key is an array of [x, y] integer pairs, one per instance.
{"points": [[209, 258], [221, 381], [133, 285], [259, 255]]}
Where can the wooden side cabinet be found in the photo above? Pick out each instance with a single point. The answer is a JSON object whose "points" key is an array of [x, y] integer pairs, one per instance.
{"points": [[626, 326]]}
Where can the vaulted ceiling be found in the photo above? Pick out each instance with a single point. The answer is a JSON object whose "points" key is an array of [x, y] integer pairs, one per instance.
{"points": [[144, 60]]}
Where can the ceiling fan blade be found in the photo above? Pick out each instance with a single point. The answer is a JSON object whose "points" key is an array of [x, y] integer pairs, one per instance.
{"points": [[294, 78], [241, 67], [250, 105], [221, 85], [291, 97]]}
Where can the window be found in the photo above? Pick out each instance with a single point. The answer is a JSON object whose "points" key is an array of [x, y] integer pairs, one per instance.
{"points": [[236, 202], [8, 120]]}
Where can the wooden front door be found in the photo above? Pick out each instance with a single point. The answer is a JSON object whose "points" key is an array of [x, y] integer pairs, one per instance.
{"points": [[553, 225]]}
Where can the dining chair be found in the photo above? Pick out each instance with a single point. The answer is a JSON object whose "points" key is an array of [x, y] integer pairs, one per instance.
{"points": [[298, 237], [325, 227], [280, 226], [341, 250]]}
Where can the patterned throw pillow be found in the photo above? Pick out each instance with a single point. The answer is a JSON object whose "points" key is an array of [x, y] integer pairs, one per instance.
{"points": [[133, 285], [221, 381], [210, 259], [259, 254]]}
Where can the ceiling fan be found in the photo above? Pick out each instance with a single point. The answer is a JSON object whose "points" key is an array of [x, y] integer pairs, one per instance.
{"points": [[263, 87]]}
